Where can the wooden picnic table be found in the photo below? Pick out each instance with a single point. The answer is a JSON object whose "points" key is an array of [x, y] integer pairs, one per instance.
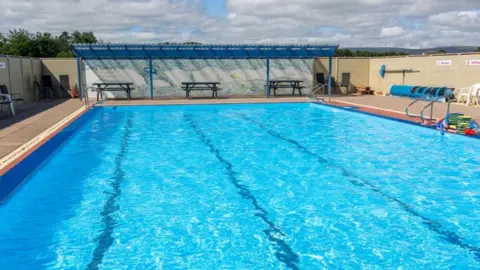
{"points": [[114, 86], [282, 84], [200, 86]]}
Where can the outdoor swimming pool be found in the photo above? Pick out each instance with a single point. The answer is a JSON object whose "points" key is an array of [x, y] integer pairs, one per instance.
{"points": [[268, 186]]}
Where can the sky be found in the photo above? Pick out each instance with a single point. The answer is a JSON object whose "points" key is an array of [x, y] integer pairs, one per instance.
{"points": [[348, 23]]}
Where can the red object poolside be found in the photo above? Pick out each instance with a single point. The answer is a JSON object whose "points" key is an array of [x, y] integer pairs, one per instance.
{"points": [[469, 131]]}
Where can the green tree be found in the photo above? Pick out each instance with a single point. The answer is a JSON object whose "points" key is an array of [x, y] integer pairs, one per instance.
{"points": [[64, 41], [17, 42], [44, 45], [478, 49], [344, 53], [83, 38], [442, 51]]}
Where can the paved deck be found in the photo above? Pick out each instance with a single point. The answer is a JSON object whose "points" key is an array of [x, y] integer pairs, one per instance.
{"points": [[395, 106], [28, 123]]}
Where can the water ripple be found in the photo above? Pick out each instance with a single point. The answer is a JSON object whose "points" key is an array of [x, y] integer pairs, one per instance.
{"points": [[284, 252], [433, 225]]}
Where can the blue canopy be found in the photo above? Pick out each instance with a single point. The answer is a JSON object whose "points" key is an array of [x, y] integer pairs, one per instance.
{"points": [[188, 51], [139, 51]]}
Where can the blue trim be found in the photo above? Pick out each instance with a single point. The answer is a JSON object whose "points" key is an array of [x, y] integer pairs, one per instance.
{"points": [[329, 76], [140, 51], [151, 77], [79, 73], [15, 177], [268, 78]]}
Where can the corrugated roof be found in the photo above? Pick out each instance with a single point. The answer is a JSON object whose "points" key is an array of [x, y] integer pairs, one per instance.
{"points": [[187, 51]]}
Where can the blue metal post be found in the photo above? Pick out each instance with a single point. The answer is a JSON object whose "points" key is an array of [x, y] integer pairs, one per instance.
{"points": [[79, 71], [151, 78], [329, 77], [268, 78]]}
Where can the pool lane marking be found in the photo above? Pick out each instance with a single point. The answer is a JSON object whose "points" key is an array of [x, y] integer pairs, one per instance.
{"points": [[284, 252], [105, 239], [433, 225]]}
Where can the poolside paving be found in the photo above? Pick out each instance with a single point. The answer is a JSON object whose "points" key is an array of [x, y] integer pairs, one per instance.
{"points": [[28, 123], [395, 106]]}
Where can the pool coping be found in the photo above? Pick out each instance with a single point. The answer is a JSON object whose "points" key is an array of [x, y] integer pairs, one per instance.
{"points": [[23, 151]]}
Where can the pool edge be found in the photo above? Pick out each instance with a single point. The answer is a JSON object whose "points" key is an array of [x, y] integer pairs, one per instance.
{"points": [[22, 154]]}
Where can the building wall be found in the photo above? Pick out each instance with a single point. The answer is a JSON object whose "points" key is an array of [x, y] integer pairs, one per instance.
{"points": [[454, 72], [55, 68], [357, 67], [243, 77], [17, 73], [246, 77]]}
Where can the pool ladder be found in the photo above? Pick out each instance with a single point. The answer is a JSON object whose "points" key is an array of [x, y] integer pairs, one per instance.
{"points": [[85, 96], [429, 105], [316, 89]]}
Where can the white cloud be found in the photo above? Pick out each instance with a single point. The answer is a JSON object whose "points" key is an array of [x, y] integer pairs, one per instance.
{"points": [[392, 31], [413, 23]]}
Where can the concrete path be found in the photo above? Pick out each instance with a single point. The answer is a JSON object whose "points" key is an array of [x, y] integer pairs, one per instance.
{"points": [[398, 104], [27, 124]]}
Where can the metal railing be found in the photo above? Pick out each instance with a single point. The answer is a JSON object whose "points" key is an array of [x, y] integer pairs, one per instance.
{"points": [[431, 109], [85, 95], [415, 101], [315, 89], [429, 105]]}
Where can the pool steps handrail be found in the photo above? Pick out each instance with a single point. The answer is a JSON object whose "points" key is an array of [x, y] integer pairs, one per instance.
{"points": [[413, 102], [315, 89], [430, 105], [87, 100], [431, 109]]}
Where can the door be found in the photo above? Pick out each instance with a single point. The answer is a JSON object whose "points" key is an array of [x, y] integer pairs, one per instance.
{"points": [[65, 86]]}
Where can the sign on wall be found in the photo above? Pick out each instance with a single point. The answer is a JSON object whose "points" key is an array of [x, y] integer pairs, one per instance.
{"points": [[473, 62], [444, 62], [3, 65]]}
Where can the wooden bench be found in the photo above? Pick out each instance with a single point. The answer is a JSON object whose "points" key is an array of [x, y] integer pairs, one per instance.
{"points": [[200, 86], [286, 84], [113, 86]]}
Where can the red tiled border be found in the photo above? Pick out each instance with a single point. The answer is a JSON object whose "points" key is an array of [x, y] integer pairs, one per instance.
{"points": [[378, 112]]}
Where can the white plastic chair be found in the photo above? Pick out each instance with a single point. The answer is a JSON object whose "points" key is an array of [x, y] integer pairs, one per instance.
{"points": [[467, 94], [6, 98]]}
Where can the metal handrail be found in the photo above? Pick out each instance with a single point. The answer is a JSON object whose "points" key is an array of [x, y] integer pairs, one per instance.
{"points": [[408, 107], [85, 95], [413, 102], [317, 88], [431, 109]]}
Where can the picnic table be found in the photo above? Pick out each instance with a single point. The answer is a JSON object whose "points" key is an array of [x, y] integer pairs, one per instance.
{"points": [[200, 86], [282, 84], [114, 86]]}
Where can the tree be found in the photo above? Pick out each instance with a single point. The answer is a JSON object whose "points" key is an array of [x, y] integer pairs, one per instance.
{"points": [[83, 38], [21, 42], [478, 49], [17, 42], [44, 45], [442, 51]]}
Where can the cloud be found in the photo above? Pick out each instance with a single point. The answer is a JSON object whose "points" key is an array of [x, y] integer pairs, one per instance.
{"points": [[412, 23], [392, 31]]}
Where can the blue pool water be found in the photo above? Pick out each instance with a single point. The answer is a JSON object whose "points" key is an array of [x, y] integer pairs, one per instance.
{"points": [[290, 186]]}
